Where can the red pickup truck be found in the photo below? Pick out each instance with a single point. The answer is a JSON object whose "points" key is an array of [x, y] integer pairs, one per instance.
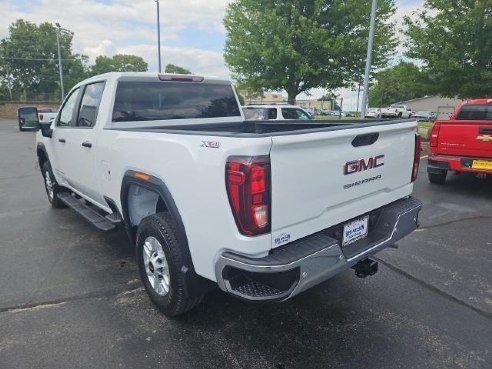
{"points": [[463, 143]]}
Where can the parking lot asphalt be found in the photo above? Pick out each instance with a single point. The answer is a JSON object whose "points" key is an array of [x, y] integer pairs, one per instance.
{"points": [[70, 296]]}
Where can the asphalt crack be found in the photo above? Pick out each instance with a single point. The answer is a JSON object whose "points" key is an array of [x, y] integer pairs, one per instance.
{"points": [[18, 177], [455, 221], [66, 300], [435, 289]]}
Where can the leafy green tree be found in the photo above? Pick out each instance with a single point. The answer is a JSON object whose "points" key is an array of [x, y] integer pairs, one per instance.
{"points": [[298, 45], [172, 68], [453, 39], [332, 97], [402, 82], [119, 63], [29, 60]]}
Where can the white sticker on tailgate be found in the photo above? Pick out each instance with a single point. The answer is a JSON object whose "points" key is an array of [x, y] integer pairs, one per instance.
{"points": [[355, 230]]}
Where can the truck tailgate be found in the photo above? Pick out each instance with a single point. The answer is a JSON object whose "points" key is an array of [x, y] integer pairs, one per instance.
{"points": [[465, 138], [322, 179]]}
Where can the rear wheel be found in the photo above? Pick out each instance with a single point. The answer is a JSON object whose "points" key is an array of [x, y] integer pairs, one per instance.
{"points": [[161, 261], [52, 188], [438, 178]]}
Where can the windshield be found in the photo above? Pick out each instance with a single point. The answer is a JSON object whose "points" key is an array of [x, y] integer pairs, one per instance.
{"points": [[475, 112], [144, 101]]}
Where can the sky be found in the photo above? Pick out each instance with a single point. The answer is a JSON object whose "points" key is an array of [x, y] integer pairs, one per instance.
{"points": [[192, 33]]}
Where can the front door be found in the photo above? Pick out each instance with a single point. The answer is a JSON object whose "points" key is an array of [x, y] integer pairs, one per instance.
{"points": [[81, 141], [64, 125]]}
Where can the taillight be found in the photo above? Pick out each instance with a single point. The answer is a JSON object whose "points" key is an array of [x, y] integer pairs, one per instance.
{"points": [[434, 137], [416, 158], [248, 188]]}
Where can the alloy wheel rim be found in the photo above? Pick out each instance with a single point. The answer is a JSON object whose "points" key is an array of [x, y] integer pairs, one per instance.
{"points": [[156, 266], [49, 185]]}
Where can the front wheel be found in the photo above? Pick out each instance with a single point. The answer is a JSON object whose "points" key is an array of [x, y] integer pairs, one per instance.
{"points": [[21, 128], [438, 178], [161, 261], [52, 188]]}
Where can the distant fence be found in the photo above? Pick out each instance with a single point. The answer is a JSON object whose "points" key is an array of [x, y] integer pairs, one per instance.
{"points": [[8, 109]]}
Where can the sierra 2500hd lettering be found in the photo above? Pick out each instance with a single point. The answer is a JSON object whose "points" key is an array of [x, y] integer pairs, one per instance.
{"points": [[264, 210]]}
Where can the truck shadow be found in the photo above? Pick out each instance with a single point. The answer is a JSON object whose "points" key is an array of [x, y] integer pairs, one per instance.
{"points": [[331, 325], [467, 184]]}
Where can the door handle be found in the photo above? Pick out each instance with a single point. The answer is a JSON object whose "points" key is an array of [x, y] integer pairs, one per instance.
{"points": [[87, 144], [485, 130], [62, 140]]}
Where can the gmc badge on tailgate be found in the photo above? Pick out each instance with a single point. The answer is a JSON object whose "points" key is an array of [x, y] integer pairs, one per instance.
{"points": [[361, 165]]}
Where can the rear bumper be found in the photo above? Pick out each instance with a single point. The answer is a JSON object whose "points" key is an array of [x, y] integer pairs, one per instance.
{"points": [[438, 163], [304, 263]]}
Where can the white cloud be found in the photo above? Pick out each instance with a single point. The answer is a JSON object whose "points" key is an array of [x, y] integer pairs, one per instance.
{"points": [[129, 26], [199, 61]]}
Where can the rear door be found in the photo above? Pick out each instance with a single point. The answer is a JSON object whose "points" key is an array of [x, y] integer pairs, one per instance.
{"points": [[470, 134], [325, 178]]}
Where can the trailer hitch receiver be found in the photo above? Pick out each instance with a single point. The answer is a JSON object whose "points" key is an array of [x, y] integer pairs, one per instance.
{"points": [[365, 268]]}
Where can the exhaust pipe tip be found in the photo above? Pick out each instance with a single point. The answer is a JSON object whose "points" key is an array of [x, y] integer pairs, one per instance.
{"points": [[365, 268]]}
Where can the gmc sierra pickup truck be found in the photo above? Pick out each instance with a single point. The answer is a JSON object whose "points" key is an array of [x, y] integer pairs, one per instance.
{"points": [[463, 143], [264, 210]]}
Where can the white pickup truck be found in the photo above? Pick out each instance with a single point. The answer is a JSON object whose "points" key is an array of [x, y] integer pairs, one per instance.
{"points": [[396, 111], [264, 210], [46, 115]]}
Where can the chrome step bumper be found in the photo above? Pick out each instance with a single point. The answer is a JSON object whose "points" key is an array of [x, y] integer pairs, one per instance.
{"points": [[304, 263]]}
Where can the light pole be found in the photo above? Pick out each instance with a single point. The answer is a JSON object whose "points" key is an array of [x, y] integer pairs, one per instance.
{"points": [[369, 57], [158, 35], [58, 28]]}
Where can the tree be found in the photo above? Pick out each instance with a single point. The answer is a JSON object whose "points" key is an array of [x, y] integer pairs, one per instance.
{"points": [[29, 60], [298, 45], [332, 97], [119, 63], [171, 68], [402, 82], [453, 39]]}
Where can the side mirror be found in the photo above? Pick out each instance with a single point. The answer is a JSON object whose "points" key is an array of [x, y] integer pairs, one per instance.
{"points": [[46, 130], [28, 117]]}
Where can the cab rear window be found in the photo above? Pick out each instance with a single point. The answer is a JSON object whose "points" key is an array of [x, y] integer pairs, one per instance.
{"points": [[146, 101], [475, 112]]}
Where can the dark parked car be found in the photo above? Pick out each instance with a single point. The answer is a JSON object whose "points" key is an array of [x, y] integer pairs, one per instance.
{"points": [[424, 115], [27, 117]]}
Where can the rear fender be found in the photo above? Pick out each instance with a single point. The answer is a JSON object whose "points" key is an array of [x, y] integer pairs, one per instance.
{"points": [[156, 191]]}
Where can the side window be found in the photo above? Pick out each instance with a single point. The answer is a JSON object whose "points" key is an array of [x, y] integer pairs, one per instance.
{"points": [[272, 113], [67, 110], [302, 115], [289, 114], [90, 104]]}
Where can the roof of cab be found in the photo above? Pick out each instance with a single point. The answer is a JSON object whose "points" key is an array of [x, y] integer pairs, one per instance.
{"points": [[146, 76]]}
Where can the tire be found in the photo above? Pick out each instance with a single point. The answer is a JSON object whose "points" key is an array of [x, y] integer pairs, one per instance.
{"points": [[161, 260], [21, 128], [400, 115], [437, 178], [52, 188]]}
